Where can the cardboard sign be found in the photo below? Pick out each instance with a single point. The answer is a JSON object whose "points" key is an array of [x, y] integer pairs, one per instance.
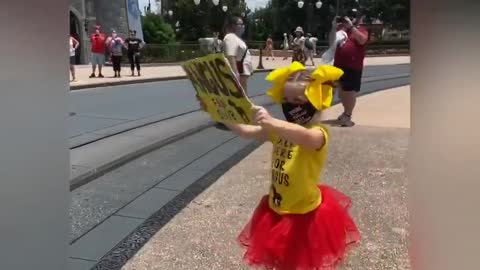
{"points": [[217, 86]]}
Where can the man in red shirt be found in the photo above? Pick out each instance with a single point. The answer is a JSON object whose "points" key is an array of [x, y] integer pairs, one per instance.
{"points": [[349, 57], [98, 41]]}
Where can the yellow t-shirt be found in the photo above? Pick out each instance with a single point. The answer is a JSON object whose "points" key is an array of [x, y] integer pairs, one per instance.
{"points": [[295, 174]]}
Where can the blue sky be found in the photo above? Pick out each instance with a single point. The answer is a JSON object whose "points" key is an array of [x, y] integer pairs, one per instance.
{"points": [[251, 3]]}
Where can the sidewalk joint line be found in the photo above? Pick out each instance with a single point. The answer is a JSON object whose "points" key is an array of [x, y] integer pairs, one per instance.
{"points": [[124, 216], [82, 259]]}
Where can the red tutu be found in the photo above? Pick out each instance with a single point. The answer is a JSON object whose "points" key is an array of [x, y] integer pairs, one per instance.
{"points": [[316, 240]]}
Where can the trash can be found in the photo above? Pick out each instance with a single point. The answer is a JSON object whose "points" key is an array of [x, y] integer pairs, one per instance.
{"points": [[206, 45]]}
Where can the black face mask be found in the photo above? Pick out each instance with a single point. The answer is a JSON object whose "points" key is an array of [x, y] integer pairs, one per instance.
{"points": [[298, 113]]}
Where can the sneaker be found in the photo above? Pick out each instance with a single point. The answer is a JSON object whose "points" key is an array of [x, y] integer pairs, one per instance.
{"points": [[345, 121], [92, 75], [100, 75]]}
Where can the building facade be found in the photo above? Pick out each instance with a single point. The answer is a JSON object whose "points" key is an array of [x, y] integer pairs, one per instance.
{"points": [[85, 14]]}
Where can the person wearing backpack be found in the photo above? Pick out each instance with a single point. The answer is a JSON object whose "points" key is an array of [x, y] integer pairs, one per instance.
{"points": [[299, 47]]}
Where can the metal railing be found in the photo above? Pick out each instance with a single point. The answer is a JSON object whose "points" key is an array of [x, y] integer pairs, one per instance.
{"points": [[164, 53]]}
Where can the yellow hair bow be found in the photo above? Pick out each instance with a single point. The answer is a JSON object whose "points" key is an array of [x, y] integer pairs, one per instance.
{"points": [[319, 90]]}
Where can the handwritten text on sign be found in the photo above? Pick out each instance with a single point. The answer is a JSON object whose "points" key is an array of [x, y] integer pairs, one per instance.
{"points": [[216, 85]]}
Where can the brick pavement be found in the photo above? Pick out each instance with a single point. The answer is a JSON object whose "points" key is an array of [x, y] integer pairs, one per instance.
{"points": [[367, 162]]}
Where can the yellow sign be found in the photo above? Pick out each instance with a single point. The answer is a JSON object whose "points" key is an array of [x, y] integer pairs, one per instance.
{"points": [[217, 86]]}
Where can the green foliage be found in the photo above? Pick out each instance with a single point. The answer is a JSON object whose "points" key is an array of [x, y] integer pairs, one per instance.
{"points": [[202, 20], [394, 13], [156, 30], [283, 16]]}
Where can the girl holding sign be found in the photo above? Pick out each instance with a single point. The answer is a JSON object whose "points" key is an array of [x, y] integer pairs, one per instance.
{"points": [[300, 224]]}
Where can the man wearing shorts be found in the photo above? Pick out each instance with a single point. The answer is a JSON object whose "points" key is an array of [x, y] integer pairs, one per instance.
{"points": [[349, 57], [98, 40]]}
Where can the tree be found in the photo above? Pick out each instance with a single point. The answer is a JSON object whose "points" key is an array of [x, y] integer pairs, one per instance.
{"points": [[156, 30], [394, 13], [202, 20], [283, 16]]}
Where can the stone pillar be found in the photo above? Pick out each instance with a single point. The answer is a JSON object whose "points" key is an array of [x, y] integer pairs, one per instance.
{"points": [[34, 161], [112, 14]]}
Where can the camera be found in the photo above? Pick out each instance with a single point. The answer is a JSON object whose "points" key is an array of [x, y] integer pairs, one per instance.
{"points": [[351, 14], [340, 19]]}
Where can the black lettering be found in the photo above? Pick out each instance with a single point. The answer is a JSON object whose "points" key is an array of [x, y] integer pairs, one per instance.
{"points": [[218, 75], [194, 78], [282, 152], [224, 115], [285, 179], [289, 156], [215, 81], [224, 70], [207, 76], [280, 178], [202, 72], [276, 163], [232, 114]]}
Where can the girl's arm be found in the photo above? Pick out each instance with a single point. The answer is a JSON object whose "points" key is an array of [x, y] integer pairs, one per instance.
{"points": [[313, 139], [249, 132], [244, 131]]}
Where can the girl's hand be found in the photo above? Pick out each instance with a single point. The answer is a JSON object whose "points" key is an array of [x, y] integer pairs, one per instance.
{"points": [[262, 116]]}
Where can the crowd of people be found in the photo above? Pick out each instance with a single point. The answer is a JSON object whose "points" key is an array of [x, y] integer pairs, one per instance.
{"points": [[301, 47], [113, 47]]}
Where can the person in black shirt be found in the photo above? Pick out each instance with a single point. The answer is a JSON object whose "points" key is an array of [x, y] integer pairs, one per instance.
{"points": [[134, 45]]}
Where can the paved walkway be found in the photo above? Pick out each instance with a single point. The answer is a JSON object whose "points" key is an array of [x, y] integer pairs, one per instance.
{"points": [[172, 71], [367, 162]]}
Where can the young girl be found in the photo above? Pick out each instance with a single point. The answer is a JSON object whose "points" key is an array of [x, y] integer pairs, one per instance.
{"points": [[300, 224]]}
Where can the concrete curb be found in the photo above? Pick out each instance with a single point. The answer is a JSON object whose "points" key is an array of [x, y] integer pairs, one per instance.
{"points": [[146, 80], [91, 175]]}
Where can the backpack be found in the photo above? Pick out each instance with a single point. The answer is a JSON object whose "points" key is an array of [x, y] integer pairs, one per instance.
{"points": [[309, 44]]}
